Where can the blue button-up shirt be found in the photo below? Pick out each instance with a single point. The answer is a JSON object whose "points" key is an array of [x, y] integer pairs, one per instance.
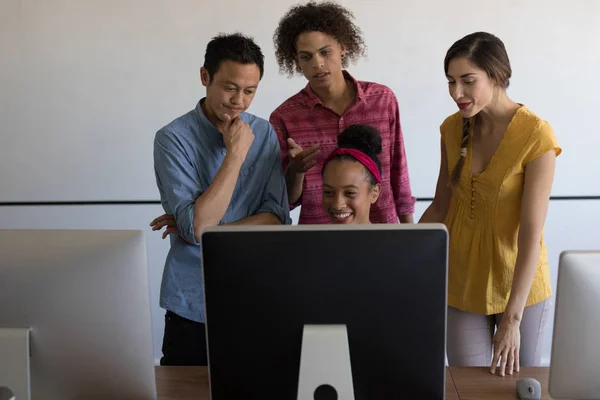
{"points": [[188, 152]]}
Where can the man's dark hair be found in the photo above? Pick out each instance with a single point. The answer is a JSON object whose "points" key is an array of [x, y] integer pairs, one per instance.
{"points": [[233, 47]]}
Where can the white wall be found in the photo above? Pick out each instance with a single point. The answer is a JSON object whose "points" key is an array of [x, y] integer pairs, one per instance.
{"points": [[85, 85]]}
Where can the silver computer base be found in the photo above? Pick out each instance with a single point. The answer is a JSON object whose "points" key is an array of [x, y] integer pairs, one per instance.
{"points": [[6, 394], [325, 363], [14, 363]]}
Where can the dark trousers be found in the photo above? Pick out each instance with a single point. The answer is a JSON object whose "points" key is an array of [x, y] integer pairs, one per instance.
{"points": [[184, 341]]}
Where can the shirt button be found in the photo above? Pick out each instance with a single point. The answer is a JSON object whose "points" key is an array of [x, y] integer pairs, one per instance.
{"points": [[341, 118], [223, 152]]}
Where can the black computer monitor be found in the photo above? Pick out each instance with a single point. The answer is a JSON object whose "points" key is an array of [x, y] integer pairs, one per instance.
{"points": [[385, 284]]}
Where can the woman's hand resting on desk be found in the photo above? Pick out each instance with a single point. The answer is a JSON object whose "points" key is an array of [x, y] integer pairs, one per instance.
{"points": [[167, 220], [507, 342]]}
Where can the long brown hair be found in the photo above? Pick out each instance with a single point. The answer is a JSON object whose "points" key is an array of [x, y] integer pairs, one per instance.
{"points": [[487, 52]]}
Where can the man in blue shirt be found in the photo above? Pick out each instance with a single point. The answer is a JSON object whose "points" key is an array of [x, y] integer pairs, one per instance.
{"points": [[214, 165]]}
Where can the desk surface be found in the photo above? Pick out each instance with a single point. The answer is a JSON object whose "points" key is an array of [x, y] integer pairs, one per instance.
{"points": [[479, 384], [184, 383]]}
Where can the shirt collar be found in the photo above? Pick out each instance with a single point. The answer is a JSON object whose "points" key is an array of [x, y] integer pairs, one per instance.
{"points": [[207, 127], [312, 99], [201, 116]]}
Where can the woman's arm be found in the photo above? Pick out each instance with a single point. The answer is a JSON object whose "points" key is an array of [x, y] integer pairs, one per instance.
{"points": [[438, 209], [404, 201], [539, 175]]}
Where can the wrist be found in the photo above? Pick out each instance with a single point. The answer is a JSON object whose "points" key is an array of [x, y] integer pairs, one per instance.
{"points": [[513, 313], [234, 159], [512, 317], [291, 172]]}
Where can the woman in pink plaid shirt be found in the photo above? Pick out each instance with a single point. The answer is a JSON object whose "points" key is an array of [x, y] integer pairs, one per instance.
{"points": [[319, 40]]}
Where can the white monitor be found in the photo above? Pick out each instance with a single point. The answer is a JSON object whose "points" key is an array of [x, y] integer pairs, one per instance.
{"points": [[575, 362], [75, 315]]}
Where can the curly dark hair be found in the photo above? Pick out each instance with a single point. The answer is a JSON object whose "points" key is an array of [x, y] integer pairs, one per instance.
{"points": [[365, 138], [326, 17]]}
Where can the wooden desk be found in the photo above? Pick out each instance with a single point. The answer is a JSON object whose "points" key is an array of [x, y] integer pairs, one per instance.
{"points": [[479, 384], [183, 383]]}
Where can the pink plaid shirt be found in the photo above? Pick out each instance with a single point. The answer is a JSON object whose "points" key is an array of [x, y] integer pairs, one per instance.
{"points": [[306, 120]]}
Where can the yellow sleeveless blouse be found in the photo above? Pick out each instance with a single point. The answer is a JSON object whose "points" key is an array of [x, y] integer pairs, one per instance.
{"points": [[484, 216]]}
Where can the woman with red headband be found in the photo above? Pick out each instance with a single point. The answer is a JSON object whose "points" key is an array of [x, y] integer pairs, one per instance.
{"points": [[352, 175]]}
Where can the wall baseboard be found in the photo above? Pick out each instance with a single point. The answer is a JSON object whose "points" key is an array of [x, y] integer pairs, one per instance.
{"points": [[146, 202], [545, 362]]}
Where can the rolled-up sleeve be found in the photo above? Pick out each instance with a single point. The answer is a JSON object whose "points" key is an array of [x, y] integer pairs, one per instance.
{"points": [[282, 137], [177, 182], [275, 198], [399, 178]]}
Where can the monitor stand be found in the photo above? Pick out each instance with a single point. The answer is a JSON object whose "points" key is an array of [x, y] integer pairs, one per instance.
{"points": [[6, 394], [325, 369], [14, 363]]}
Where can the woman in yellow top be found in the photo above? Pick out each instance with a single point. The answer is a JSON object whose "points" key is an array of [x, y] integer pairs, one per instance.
{"points": [[492, 193]]}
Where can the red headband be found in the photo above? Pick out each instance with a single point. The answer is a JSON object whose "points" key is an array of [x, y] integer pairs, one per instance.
{"points": [[360, 157]]}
